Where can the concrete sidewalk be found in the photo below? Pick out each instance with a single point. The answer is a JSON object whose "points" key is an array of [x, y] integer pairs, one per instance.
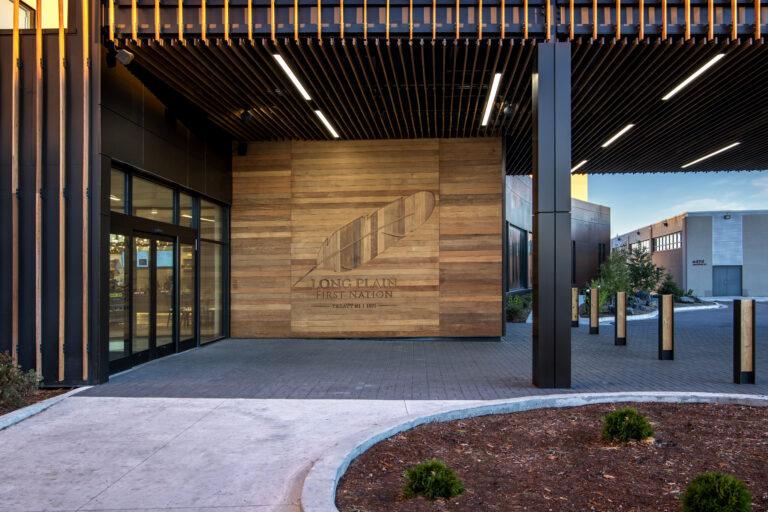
{"points": [[182, 455]]}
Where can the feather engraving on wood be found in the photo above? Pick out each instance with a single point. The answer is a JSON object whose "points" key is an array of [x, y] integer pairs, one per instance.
{"points": [[367, 236]]}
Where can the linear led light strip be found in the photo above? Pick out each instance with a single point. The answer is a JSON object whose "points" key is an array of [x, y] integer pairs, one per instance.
{"points": [[294, 79], [328, 126], [693, 76], [296, 83], [578, 166], [491, 98], [618, 134], [726, 148]]}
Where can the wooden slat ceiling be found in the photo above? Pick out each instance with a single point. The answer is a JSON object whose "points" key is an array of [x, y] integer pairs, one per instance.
{"points": [[423, 88]]}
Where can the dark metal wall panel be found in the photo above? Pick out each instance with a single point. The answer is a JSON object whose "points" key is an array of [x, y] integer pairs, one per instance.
{"points": [[147, 126], [75, 98], [590, 226], [5, 191]]}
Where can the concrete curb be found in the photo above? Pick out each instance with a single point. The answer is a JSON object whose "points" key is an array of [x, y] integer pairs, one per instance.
{"points": [[609, 320], [19, 415], [319, 490]]}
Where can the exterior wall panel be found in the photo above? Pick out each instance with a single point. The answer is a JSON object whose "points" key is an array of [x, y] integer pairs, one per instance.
{"points": [[438, 276], [149, 128], [755, 268], [698, 240], [73, 137]]}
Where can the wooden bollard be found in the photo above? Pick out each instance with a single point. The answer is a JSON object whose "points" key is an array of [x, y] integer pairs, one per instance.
{"points": [[574, 307], [744, 341], [666, 327], [621, 318], [594, 311]]}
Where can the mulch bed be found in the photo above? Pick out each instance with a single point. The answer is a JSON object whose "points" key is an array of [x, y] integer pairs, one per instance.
{"points": [[38, 396], [555, 459]]}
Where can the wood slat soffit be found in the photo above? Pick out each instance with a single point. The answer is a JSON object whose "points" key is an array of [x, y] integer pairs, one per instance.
{"points": [[374, 89]]}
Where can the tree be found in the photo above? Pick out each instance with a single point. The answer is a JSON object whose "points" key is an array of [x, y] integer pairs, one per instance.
{"points": [[644, 275], [614, 274]]}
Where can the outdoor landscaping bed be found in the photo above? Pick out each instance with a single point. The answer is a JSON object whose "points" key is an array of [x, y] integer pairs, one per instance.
{"points": [[37, 395], [556, 459]]}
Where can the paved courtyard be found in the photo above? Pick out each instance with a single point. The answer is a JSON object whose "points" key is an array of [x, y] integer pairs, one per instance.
{"points": [[448, 370], [237, 425]]}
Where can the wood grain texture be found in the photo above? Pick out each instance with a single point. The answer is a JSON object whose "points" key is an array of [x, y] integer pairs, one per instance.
{"points": [[397, 238], [621, 314], [574, 304], [667, 322], [747, 336], [470, 237], [261, 242], [594, 307]]}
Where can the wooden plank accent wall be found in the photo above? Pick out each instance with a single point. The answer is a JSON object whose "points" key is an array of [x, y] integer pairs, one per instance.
{"points": [[396, 238], [261, 242], [470, 237]]}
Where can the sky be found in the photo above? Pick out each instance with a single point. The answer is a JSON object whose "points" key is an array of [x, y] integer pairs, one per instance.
{"points": [[637, 200]]}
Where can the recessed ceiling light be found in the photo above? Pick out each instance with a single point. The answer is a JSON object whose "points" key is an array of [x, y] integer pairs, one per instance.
{"points": [[327, 124], [618, 134], [491, 98], [289, 72], [114, 198], [710, 155], [693, 76], [578, 166]]}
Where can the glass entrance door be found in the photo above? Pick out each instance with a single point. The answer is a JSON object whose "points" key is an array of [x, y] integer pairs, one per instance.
{"points": [[143, 300]]}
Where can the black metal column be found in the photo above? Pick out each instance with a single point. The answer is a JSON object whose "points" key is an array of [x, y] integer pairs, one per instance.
{"points": [[551, 97]]}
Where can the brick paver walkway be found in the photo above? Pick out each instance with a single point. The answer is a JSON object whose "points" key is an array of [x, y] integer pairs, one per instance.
{"points": [[447, 370]]}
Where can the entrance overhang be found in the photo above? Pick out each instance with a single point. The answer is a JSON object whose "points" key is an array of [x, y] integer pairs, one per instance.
{"points": [[421, 88]]}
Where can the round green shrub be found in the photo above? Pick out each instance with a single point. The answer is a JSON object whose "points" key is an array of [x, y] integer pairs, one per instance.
{"points": [[716, 492], [626, 424], [432, 479], [15, 385]]}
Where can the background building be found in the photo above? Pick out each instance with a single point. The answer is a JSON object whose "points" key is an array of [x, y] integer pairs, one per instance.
{"points": [[590, 233], [712, 253]]}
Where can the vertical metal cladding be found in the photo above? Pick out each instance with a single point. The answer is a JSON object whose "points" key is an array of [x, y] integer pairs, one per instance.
{"points": [[45, 156]]}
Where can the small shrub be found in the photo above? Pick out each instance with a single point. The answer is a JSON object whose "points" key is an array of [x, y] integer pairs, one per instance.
{"points": [[716, 492], [518, 307], [669, 287], [626, 424], [15, 385], [432, 479]]}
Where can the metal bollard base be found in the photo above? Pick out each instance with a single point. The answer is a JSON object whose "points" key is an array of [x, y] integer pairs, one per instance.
{"points": [[667, 355], [621, 341], [745, 378]]}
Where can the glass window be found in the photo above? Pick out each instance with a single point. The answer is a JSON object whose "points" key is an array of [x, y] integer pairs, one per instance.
{"points": [[211, 220], [517, 258], [165, 264], [187, 292], [142, 288], [151, 201], [210, 291], [27, 15], [117, 191], [118, 297], [186, 217]]}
